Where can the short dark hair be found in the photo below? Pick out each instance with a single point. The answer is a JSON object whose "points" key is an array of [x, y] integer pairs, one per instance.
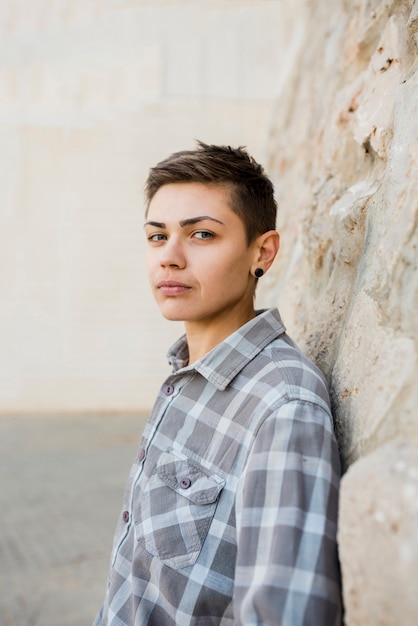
{"points": [[251, 191]]}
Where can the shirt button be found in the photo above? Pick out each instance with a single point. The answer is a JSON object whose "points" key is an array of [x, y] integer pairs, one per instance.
{"points": [[141, 455], [185, 482], [168, 390], [125, 516]]}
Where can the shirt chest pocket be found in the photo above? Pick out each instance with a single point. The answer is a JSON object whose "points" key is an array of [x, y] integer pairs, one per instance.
{"points": [[175, 509]]}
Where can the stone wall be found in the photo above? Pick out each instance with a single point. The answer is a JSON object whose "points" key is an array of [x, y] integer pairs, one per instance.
{"points": [[344, 149]]}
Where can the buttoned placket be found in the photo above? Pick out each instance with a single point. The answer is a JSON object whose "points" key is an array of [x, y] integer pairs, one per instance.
{"points": [[168, 392]]}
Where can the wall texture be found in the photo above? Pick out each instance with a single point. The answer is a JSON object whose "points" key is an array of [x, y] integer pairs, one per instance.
{"points": [[344, 148]]}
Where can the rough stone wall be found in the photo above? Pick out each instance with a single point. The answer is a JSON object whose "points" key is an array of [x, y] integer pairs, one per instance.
{"points": [[344, 149]]}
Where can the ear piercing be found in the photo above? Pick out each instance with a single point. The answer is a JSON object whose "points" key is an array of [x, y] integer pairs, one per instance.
{"points": [[258, 272]]}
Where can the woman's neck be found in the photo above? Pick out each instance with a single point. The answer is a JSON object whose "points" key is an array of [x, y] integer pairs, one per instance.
{"points": [[204, 336]]}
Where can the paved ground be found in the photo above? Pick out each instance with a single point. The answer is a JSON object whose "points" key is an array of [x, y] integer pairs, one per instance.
{"points": [[61, 487]]}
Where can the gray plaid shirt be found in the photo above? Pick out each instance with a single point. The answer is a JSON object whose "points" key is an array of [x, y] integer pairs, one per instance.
{"points": [[230, 510]]}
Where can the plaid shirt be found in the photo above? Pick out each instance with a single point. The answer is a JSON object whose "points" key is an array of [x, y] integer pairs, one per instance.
{"points": [[230, 510]]}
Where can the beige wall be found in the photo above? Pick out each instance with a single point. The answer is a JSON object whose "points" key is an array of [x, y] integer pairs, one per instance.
{"points": [[92, 93]]}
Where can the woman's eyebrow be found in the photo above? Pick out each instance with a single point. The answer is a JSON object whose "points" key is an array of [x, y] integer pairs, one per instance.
{"points": [[188, 222], [201, 218], [156, 224]]}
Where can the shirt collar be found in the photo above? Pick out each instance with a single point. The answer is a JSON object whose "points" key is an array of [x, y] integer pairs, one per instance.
{"points": [[226, 360]]}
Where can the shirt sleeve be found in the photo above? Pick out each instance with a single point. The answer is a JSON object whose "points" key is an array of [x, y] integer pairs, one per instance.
{"points": [[287, 571]]}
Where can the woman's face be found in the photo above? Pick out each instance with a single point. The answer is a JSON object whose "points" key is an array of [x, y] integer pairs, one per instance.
{"points": [[199, 264]]}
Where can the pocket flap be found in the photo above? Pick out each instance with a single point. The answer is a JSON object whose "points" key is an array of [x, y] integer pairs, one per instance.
{"points": [[189, 479]]}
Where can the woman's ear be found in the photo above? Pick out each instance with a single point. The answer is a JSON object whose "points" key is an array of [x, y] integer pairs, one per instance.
{"points": [[267, 246]]}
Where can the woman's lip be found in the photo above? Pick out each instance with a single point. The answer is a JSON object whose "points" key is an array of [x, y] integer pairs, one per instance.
{"points": [[172, 287]]}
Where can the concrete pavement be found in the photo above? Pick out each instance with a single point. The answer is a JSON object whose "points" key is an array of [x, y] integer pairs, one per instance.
{"points": [[61, 488]]}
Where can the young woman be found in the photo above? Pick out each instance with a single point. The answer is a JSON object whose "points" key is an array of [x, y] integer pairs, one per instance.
{"points": [[230, 511]]}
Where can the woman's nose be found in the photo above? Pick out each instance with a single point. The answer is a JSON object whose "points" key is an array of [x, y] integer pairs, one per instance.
{"points": [[172, 254]]}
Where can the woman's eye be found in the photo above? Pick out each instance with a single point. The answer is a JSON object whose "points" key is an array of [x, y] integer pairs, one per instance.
{"points": [[203, 234], [157, 237]]}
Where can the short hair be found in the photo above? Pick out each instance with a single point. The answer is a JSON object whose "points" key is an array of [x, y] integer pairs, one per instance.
{"points": [[251, 191]]}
